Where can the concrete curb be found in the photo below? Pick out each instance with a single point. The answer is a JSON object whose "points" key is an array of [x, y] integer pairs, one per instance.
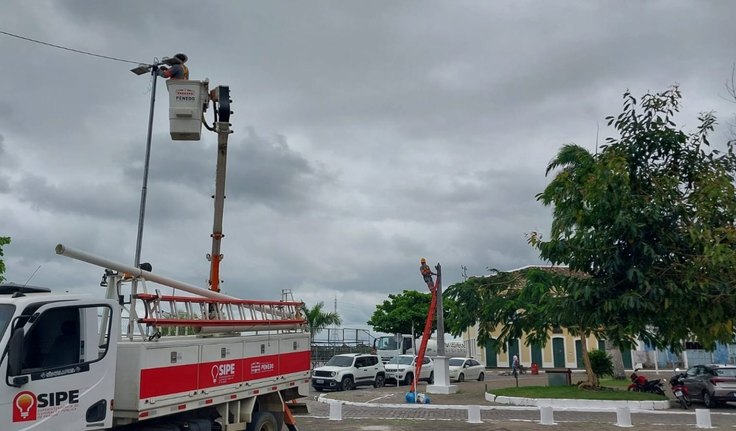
{"points": [[572, 404], [515, 403]]}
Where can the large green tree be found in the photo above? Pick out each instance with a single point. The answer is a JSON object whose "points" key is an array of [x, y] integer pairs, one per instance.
{"points": [[318, 319], [4, 240], [405, 313], [649, 221], [646, 227]]}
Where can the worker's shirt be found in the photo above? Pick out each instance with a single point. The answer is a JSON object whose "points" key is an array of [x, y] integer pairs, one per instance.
{"points": [[424, 269], [178, 71]]}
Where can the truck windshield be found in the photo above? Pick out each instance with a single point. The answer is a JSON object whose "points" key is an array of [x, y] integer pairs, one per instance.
{"points": [[6, 313], [387, 343]]}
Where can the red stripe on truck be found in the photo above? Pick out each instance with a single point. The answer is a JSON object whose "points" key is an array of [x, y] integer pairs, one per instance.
{"points": [[168, 380], [156, 382]]}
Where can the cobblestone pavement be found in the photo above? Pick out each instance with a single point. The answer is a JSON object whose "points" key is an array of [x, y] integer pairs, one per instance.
{"points": [[384, 409]]}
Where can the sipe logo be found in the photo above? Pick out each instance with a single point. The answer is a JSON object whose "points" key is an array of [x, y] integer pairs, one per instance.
{"points": [[25, 407], [222, 372]]}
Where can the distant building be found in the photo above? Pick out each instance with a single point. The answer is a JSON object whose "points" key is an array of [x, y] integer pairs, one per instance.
{"points": [[563, 350]]}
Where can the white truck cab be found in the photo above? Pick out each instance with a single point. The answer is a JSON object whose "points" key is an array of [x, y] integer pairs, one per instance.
{"points": [[58, 362]]}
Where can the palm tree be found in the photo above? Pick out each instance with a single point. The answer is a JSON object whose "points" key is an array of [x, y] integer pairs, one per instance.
{"points": [[318, 320]]}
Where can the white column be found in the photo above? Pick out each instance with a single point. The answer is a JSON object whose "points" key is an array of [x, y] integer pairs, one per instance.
{"points": [[702, 418], [546, 416], [623, 417], [441, 377], [335, 411], [474, 415]]}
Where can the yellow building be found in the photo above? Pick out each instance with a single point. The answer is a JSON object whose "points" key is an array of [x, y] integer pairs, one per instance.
{"points": [[563, 350]]}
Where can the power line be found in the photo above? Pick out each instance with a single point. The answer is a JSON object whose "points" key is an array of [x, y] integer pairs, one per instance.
{"points": [[71, 49]]}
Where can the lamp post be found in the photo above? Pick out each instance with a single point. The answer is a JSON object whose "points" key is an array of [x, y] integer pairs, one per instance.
{"points": [[140, 70]]}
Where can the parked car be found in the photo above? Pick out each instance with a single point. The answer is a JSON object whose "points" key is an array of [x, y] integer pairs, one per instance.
{"points": [[462, 369], [346, 371], [712, 384], [401, 369]]}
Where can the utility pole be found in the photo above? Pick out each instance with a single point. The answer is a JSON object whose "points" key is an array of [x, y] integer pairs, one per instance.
{"points": [[441, 366]]}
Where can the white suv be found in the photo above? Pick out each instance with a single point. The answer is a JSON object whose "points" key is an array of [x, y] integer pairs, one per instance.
{"points": [[401, 368], [344, 372]]}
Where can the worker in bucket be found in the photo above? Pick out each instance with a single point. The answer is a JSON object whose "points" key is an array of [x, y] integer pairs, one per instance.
{"points": [[427, 274], [177, 70]]}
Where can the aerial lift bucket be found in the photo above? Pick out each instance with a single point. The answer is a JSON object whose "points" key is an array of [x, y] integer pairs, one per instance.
{"points": [[187, 101]]}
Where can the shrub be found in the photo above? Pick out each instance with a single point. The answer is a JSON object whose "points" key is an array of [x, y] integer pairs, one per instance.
{"points": [[601, 363]]}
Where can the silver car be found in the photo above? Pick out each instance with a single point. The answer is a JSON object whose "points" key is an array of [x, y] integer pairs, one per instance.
{"points": [[712, 384]]}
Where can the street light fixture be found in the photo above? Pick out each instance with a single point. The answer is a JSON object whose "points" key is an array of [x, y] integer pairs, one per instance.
{"points": [[140, 70]]}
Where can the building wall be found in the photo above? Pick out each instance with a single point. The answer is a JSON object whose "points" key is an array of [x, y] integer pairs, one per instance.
{"points": [[525, 352]]}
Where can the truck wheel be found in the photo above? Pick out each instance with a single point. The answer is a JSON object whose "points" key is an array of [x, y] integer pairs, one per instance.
{"points": [[262, 421], [380, 381], [461, 377], [346, 384], [481, 377], [408, 378]]}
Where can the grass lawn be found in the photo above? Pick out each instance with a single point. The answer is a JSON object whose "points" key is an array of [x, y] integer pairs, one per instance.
{"points": [[612, 390]]}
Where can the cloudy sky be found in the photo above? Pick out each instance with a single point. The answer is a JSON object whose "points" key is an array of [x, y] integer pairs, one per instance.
{"points": [[367, 134]]}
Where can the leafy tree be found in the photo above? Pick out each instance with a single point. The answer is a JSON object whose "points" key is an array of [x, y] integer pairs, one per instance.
{"points": [[4, 240], [405, 313], [318, 320], [650, 222], [646, 228]]}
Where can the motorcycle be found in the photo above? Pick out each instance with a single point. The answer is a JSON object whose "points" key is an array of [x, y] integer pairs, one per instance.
{"points": [[680, 390], [641, 384]]}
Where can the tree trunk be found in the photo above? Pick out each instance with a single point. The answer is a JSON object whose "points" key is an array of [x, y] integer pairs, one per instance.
{"points": [[618, 361], [592, 378]]}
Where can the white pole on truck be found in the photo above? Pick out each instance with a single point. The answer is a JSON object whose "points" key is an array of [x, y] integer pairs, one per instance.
{"points": [[137, 272]]}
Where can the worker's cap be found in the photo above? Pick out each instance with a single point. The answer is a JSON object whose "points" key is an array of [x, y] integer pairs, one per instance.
{"points": [[423, 260], [182, 57]]}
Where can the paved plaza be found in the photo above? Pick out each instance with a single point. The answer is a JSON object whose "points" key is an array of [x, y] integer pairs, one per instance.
{"points": [[385, 409]]}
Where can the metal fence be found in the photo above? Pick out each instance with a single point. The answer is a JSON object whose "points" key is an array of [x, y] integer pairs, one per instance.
{"points": [[335, 341]]}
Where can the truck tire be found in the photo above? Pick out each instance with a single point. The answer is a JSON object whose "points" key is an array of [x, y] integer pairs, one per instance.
{"points": [[380, 381], [346, 384], [263, 421]]}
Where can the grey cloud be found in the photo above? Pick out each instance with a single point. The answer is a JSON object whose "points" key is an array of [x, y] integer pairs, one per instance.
{"points": [[386, 131], [260, 170]]}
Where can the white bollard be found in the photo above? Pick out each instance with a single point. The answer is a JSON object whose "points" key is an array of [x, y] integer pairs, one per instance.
{"points": [[546, 416], [623, 417], [474, 415], [702, 418], [335, 411]]}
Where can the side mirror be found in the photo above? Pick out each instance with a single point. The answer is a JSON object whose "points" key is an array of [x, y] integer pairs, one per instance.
{"points": [[15, 357], [15, 352]]}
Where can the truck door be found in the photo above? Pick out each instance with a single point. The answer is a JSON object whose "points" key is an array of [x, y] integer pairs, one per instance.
{"points": [[59, 367]]}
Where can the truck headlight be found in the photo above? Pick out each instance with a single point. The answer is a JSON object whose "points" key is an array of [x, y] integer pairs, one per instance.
{"points": [[333, 374]]}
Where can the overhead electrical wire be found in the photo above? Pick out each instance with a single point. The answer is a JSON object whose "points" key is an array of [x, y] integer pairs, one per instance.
{"points": [[71, 49]]}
